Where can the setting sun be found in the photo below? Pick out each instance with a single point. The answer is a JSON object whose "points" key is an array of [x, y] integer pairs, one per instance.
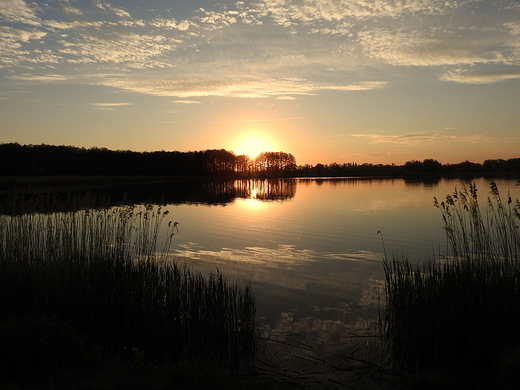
{"points": [[252, 145]]}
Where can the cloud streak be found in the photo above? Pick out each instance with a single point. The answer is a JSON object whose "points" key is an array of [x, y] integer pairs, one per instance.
{"points": [[261, 120], [187, 102], [239, 88], [110, 104], [420, 138], [468, 77]]}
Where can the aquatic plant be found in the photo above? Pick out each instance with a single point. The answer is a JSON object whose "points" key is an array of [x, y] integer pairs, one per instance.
{"points": [[459, 314], [101, 271]]}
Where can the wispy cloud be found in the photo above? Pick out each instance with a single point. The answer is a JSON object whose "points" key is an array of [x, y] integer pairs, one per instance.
{"points": [[467, 77], [187, 102], [370, 157], [361, 86], [105, 6], [42, 78], [420, 138], [70, 9], [262, 120], [434, 46], [108, 106], [287, 12], [19, 12], [232, 88]]}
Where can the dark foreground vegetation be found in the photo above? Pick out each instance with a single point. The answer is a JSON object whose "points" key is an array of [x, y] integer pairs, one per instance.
{"points": [[50, 160], [454, 323], [83, 286]]}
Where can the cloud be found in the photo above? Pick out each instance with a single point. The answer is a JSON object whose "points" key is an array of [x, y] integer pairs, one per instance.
{"points": [[361, 86], [137, 51], [204, 87], [368, 156], [48, 78], [289, 12], [277, 48], [84, 38], [72, 10], [187, 102], [240, 88], [105, 6], [261, 120], [75, 25], [421, 138], [285, 98], [468, 77], [215, 19], [435, 47], [11, 43], [18, 11], [109, 104], [168, 24]]}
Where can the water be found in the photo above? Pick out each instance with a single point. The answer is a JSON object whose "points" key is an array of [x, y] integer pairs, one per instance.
{"points": [[313, 249]]}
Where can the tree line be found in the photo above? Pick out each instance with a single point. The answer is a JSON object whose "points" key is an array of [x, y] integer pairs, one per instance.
{"points": [[16, 159], [412, 167]]}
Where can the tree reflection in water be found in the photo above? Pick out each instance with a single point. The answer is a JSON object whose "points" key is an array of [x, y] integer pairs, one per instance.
{"points": [[266, 189], [75, 195]]}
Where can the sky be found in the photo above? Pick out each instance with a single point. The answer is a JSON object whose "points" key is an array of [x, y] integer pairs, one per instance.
{"points": [[364, 81]]}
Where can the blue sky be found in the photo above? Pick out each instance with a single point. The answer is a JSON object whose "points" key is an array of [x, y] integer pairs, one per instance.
{"points": [[328, 81]]}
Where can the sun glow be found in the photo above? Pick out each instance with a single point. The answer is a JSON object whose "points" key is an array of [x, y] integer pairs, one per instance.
{"points": [[252, 145]]}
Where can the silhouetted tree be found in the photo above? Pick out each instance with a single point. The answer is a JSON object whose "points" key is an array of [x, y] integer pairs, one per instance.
{"points": [[275, 162], [16, 159], [431, 166]]}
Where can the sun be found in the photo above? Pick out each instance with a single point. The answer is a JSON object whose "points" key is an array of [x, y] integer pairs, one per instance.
{"points": [[252, 145]]}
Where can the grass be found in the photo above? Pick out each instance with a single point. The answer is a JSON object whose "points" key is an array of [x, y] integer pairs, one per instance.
{"points": [[101, 273], [458, 317]]}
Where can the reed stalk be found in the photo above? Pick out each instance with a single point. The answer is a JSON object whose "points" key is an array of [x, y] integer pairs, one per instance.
{"points": [[100, 271], [459, 314]]}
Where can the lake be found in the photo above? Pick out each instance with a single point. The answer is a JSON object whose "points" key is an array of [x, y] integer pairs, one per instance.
{"points": [[313, 248]]}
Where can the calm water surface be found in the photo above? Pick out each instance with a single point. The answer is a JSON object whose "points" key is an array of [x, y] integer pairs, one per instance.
{"points": [[311, 247]]}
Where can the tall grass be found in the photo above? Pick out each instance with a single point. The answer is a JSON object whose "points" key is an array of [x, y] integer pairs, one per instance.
{"points": [[99, 270], [461, 314]]}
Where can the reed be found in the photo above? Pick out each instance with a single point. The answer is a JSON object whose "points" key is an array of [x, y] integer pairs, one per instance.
{"points": [[459, 314], [101, 271]]}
